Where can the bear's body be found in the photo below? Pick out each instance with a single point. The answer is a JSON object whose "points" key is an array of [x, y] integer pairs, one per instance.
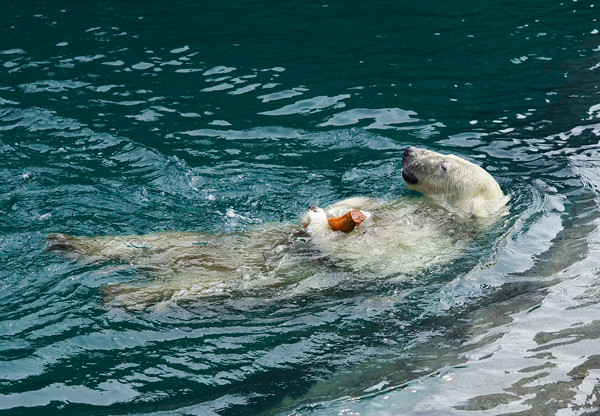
{"points": [[393, 238], [399, 237]]}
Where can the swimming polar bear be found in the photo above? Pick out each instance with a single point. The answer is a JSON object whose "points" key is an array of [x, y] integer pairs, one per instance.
{"points": [[378, 238]]}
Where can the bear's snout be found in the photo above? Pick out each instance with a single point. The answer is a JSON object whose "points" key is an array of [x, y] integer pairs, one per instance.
{"points": [[407, 174], [409, 177], [408, 152]]}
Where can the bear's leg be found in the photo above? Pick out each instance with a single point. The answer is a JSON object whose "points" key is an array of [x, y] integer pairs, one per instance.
{"points": [[67, 244], [135, 297]]}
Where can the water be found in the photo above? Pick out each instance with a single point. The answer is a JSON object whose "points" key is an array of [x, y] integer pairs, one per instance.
{"points": [[125, 118]]}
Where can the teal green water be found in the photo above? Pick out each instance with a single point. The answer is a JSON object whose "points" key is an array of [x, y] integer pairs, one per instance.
{"points": [[137, 117]]}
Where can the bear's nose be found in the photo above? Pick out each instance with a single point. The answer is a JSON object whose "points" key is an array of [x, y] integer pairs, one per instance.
{"points": [[407, 152]]}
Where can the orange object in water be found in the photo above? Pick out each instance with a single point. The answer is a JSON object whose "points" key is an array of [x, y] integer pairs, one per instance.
{"points": [[347, 222]]}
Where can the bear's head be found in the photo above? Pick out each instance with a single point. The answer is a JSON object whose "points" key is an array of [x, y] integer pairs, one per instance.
{"points": [[452, 181]]}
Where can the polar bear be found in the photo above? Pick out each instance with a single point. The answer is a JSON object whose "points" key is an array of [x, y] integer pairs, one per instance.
{"points": [[377, 238]]}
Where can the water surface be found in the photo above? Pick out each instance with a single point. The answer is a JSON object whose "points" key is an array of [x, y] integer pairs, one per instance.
{"points": [[125, 118]]}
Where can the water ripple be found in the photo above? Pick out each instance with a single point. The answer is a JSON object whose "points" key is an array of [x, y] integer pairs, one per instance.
{"points": [[309, 106], [220, 118]]}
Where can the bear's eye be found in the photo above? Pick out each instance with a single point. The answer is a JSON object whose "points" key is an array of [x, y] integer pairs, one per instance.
{"points": [[444, 167]]}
